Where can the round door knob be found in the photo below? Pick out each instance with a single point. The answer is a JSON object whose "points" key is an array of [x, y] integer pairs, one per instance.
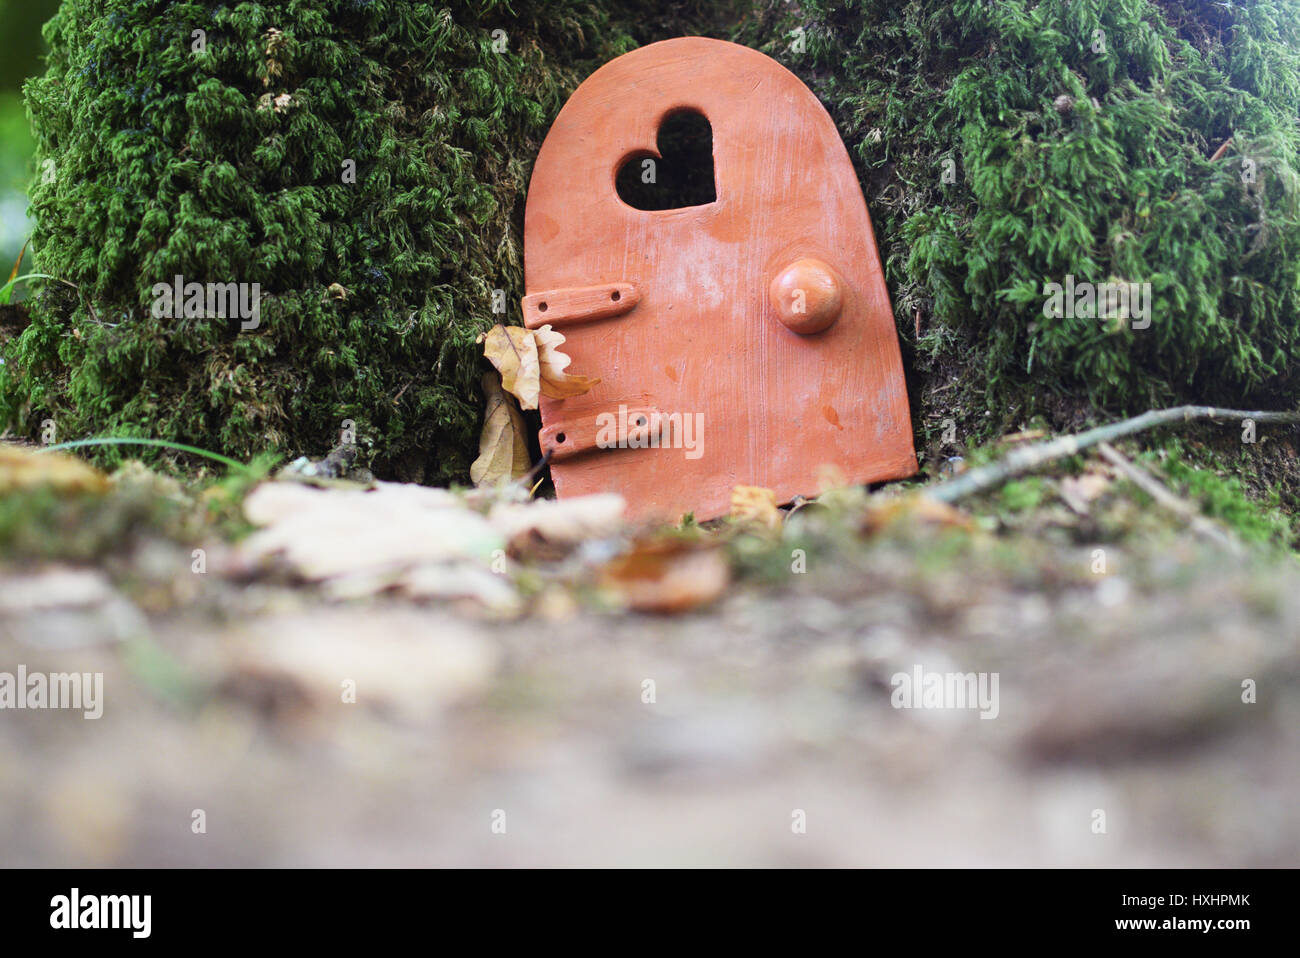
{"points": [[807, 296]]}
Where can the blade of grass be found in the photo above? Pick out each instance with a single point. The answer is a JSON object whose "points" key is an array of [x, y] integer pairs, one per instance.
{"points": [[162, 443], [7, 290]]}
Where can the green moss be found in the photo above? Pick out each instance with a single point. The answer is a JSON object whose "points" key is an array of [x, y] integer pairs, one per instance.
{"points": [[1225, 497], [1022, 495], [171, 160], [1073, 152], [45, 524]]}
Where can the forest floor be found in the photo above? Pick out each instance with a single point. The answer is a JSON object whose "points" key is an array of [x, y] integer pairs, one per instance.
{"points": [[281, 708]]}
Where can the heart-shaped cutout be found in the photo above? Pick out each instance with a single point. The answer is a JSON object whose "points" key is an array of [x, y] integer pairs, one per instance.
{"points": [[681, 175]]}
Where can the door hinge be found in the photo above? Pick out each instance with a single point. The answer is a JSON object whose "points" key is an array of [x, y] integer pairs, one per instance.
{"points": [[578, 304]]}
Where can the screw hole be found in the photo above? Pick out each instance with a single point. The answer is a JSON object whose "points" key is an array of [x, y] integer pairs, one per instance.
{"points": [[541, 307], [615, 296], [640, 420], [559, 437]]}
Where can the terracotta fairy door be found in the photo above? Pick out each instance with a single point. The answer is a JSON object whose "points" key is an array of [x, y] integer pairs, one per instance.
{"points": [[744, 341]]}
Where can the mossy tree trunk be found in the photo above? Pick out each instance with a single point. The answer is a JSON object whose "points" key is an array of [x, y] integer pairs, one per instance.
{"points": [[364, 163]]}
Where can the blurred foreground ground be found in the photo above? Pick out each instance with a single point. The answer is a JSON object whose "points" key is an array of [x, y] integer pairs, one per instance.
{"points": [[1119, 692]]}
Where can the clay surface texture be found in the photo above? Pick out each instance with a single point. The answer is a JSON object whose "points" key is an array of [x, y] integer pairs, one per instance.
{"points": [[745, 341]]}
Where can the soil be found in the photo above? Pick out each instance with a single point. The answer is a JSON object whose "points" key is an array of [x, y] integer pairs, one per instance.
{"points": [[1121, 737]]}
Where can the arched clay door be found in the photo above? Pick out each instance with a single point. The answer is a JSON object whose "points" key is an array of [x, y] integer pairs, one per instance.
{"points": [[712, 312]]}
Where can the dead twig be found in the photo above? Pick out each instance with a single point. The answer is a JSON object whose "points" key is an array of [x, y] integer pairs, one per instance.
{"points": [[86, 300], [526, 480], [1028, 458], [1024, 436], [1218, 154], [1158, 491]]}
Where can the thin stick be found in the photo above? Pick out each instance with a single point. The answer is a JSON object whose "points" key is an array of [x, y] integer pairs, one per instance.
{"points": [[1029, 458], [1158, 491], [524, 480]]}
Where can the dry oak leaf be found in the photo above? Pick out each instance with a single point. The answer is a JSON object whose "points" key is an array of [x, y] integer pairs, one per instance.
{"points": [[502, 448], [755, 504], [513, 351], [556, 383], [668, 575], [531, 364], [918, 509]]}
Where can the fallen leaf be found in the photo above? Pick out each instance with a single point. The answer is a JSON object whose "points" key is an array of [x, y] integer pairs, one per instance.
{"points": [[22, 469], [531, 364], [918, 509], [1078, 491], [557, 525], [490, 590], [556, 383], [443, 581], [324, 533], [513, 351], [502, 449], [755, 504], [668, 575]]}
